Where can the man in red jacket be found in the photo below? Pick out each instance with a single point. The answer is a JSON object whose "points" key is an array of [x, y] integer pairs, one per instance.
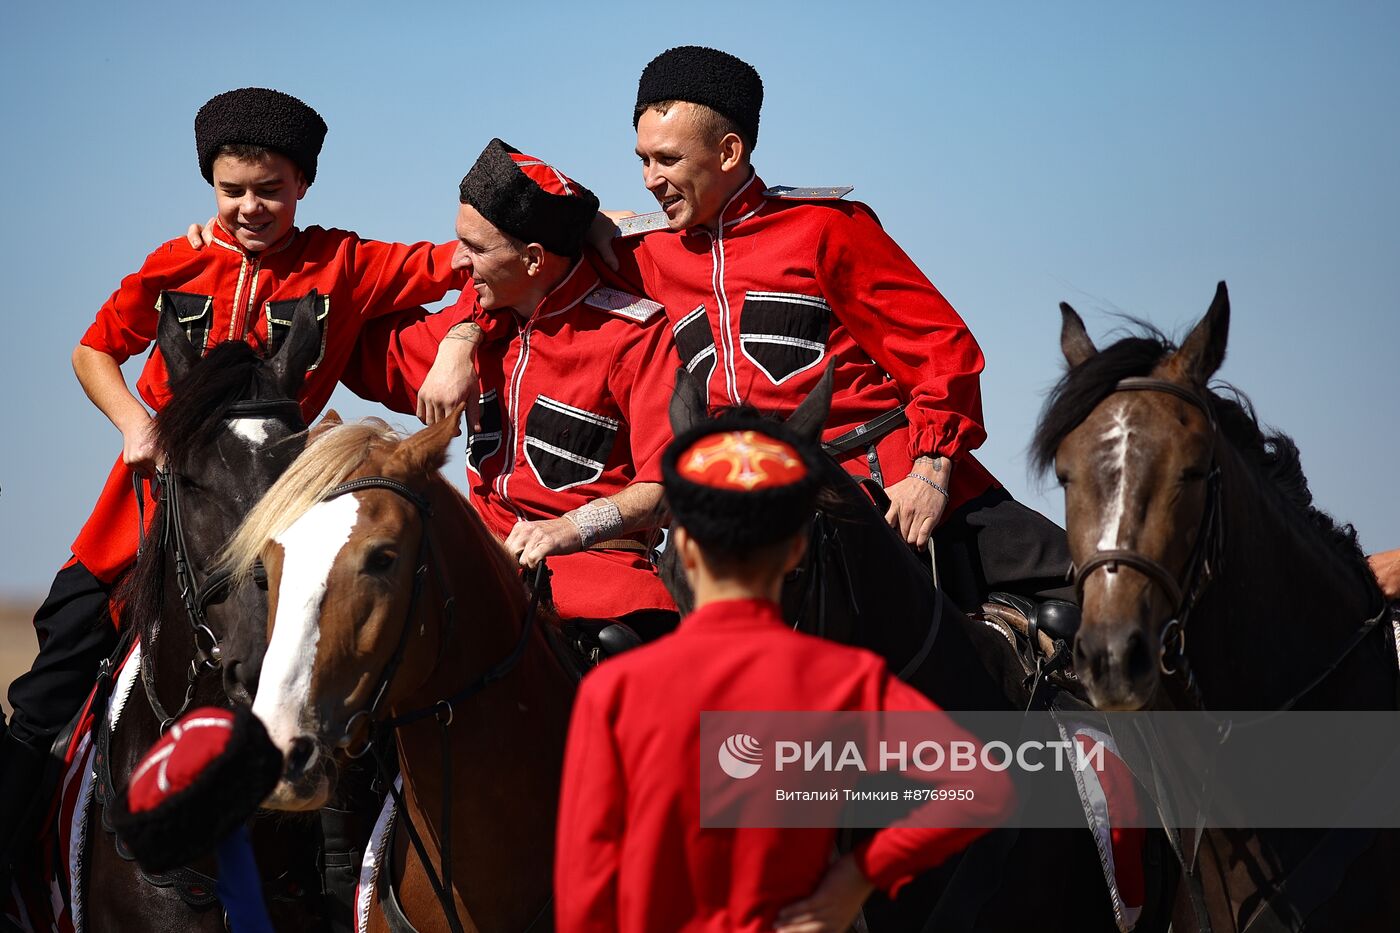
{"points": [[574, 372], [632, 854], [767, 285], [258, 148]]}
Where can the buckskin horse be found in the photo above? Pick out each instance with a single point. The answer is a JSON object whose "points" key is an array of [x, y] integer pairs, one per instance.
{"points": [[391, 607], [229, 429], [860, 584], [1190, 525]]}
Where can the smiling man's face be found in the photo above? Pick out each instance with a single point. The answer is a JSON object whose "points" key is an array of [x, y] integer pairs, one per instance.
{"points": [[684, 166]]}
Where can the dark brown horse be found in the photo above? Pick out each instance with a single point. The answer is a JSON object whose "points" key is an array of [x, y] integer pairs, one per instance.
{"points": [[392, 606], [230, 428], [1210, 581]]}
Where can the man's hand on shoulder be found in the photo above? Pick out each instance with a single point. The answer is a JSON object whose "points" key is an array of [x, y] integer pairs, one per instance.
{"points": [[1386, 567], [453, 380], [601, 233], [200, 237], [917, 501]]}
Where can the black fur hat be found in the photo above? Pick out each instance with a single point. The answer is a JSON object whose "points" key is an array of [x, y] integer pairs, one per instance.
{"points": [[740, 482], [204, 777], [703, 76], [529, 199], [259, 116]]}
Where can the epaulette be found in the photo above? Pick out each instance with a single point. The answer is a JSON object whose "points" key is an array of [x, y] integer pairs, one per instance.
{"points": [[637, 310], [638, 224], [809, 194]]}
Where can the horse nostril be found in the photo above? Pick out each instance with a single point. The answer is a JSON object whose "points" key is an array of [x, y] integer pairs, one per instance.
{"points": [[301, 756], [1137, 662]]}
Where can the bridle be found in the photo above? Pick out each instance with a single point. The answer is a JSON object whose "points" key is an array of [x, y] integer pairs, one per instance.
{"points": [[442, 710], [197, 597], [1201, 567]]}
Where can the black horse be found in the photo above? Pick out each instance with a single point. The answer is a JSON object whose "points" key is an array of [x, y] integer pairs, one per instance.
{"points": [[860, 584], [231, 427]]}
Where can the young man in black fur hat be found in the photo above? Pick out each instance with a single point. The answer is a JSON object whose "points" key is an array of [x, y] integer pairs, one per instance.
{"points": [[258, 148], [766, 285], [631, 854], [576, 370]]}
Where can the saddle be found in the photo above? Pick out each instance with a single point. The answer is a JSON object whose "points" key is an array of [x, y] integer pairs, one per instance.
{"points": [[1042, 634]]}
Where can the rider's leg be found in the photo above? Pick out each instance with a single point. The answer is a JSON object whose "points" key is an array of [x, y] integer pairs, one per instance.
{"points": [[994, 543], [346, 825], [75, 635]]}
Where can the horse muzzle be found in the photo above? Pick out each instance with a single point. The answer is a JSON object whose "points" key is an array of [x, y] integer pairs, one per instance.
{"points": [[306, 777], [1117, 663]]}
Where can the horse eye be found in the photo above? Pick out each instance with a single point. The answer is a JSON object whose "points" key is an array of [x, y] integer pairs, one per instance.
{"points": [[380, 560], [1192, 475], [1062, 479]]}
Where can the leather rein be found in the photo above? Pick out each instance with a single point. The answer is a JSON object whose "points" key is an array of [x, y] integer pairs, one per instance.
{"points": [[442, 711]]}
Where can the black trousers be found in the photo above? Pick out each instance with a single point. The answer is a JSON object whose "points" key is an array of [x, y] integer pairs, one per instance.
{"points": [[995, 543], [75, 635]]}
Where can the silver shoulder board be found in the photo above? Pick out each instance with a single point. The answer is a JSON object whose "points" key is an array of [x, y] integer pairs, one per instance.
{"points": [[809, 194], [641, 223], [622, 304]]}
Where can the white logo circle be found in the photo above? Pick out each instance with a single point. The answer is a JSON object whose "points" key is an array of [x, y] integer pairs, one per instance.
{"points": [[740, 756]]}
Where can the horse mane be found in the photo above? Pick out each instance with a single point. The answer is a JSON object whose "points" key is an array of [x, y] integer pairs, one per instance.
{"points": [[1271, 455], [190, 421], [332, 456], [233, 371]]}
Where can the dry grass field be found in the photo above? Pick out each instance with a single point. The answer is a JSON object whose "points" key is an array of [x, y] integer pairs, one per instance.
{"points": [[17, 643]]}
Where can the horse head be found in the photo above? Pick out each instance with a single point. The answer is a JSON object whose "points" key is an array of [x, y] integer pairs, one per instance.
{"points": [[1132, 436], [343, 536], [231, 426]]}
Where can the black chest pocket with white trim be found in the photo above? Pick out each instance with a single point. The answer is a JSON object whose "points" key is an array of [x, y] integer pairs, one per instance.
{"points": [[279, 321], [482, 444], [784, 333], [695, 342], [194, 312], [567, 446]]}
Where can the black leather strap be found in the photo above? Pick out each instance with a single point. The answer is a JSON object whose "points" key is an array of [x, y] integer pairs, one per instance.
{"points": [[867, 433]]}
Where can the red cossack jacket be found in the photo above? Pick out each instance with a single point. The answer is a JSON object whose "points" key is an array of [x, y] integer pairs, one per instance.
{"points": [[222, 293], [788, 284], [573, 408], [632, 855]]}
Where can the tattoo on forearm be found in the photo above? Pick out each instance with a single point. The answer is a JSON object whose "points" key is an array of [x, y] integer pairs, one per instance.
{"points": [[597, 521], [469, 331]]}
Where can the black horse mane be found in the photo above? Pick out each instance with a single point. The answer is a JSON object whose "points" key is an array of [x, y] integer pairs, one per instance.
{"points": [[233, 371], [1271, 455]]}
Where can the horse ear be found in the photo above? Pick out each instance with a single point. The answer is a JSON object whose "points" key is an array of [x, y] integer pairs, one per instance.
{"points": [[180, 355], [330, 419], [808, 419], [424, 453], [688, 403], [1074, 339], [1203, 350], [300, 347]]}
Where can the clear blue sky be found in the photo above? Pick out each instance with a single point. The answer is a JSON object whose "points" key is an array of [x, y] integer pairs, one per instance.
{"points": [[1118, 156]]}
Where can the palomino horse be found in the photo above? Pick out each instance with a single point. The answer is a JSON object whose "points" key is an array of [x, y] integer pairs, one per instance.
{"points": [[860, 584], [1186, 519], [392, 606], [230, 428]]}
